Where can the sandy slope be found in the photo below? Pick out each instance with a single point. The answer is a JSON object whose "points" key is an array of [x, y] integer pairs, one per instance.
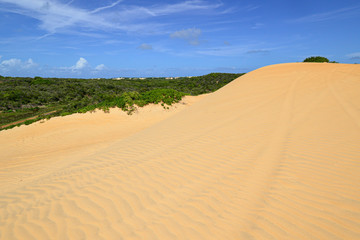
{"points": [[273, 155], [28, 152]]}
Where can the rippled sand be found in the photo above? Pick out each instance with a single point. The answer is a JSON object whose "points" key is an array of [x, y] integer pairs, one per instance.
{"points": [[272, 155]]}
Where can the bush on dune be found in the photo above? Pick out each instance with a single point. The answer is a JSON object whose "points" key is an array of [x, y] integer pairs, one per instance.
{"points": [[22, 98], [316, 59], [129, 100]]}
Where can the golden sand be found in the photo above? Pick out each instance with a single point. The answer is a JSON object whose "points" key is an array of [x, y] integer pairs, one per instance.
{"points": [[274, 154]]}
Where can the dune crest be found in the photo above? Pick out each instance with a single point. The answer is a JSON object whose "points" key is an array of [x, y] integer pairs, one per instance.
{"points": [[272, 155]]}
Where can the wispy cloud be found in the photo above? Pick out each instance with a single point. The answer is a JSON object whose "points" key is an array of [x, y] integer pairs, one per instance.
{"points": [[236, 50], [250, 8], [106, 7], [55, 16], [330, 15], [354, 56], [190, 35], [183, 7], [130, 12], [145, 46], [254, 51]]}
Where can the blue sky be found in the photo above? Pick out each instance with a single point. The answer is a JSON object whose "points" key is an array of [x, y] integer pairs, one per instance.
{"points": [[139, 38]]}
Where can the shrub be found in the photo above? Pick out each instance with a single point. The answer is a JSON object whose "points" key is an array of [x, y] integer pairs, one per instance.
{"points": [[316, 59], [22, 98], [27, 122], [166, 96]]}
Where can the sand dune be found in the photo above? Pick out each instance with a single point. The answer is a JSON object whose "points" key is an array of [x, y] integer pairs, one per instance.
{"points": [[272, 155], [30, 151]]}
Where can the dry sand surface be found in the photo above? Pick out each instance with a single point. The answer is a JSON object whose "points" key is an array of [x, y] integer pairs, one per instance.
{"points": [[30, 151], [273, 155]]}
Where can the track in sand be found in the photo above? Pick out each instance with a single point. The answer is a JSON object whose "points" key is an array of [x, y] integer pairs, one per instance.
{"points": [[273, 155]]}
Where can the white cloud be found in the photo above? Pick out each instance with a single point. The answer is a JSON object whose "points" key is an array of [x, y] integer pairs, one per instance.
{"points": [[183, 7], [190, 35], [18, 67], [28, 68], [30, 63], [17, 63], [52, 14], [80, 64], [145, 46], [254, 51], [100, 67], [136, 12], [250, 8], [55, 16], [325, 16], [106, 7], [354, 56], [11, 62]]}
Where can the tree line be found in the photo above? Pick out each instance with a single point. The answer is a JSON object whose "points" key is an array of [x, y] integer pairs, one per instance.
{"points": [[27, 97]]}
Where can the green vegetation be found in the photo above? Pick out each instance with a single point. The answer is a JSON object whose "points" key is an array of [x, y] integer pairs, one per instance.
{"points": [[316, 59], [39, 98]]}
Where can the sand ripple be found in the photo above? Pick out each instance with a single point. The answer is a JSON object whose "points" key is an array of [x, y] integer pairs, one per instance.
{"points": [[273, 155]]}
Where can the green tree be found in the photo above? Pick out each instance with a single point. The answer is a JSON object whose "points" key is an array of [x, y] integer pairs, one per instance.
{"points": [[316, 59]]}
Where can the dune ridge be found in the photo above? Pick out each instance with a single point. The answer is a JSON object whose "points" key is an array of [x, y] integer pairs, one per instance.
{"points": [[272, 155]]}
